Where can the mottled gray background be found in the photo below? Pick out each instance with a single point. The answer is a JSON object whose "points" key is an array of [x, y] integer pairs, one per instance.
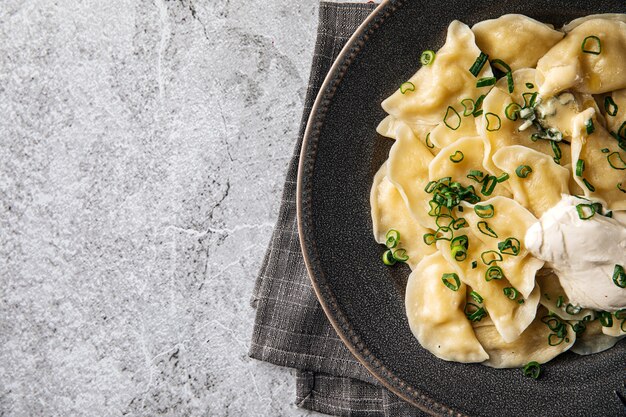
{"points": [[143, 150]]}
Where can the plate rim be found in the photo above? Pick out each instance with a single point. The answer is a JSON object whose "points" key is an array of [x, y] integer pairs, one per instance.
{"points": [[341, 64]]}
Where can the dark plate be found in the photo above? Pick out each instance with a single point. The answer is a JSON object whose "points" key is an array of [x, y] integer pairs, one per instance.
{"points": [[363, 299]]}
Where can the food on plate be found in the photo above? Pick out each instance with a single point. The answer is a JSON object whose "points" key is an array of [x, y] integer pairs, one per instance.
{"points": [[505, 191]]}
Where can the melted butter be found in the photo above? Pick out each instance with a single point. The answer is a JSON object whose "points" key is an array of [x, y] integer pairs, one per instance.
{"points": [[558, 112]]}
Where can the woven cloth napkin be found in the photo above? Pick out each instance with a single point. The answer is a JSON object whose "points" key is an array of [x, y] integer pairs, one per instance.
{"points": [[290, 328]]}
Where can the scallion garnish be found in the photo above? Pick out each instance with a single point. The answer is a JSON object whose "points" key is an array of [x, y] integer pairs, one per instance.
{"points": [[429, 144], [490, 256], [580, 167], [444, 233], [400, 255], [529, 99], [501, 66], [407, 86], [427, 57], [503, 177], [609, 106], [509, 82], [489, 184], [530, 85], [474, 312], [388, 258], [393, 238], [523, 171], [512, 111], [619, 187], [478, 106], [474, 264], [475, 175], [484, 211], [579, 327], [429, 238], [532, 370], [605, 150], [590, 127], [591, 45], [585, 211], [554, 339], [459, 223], [479, 64], [451, 280], [459, 246], [485, 81], [511, 293], [619, 276], [457, 157], [468, 106], [476, 297], [616, 161], [558, 327], [493, 122], [556, 149], [589, 186], [606, 319], [484, 228], [452, 120], [621, 132], [572, 309], [559, 301], [494, 272], [510, 246]]}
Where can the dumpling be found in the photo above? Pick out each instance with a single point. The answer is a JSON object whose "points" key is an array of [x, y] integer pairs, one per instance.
{"points": [[516, 39], [442, 136], [446, 80], [590, 59], [615, 115], [554, 298], [607, 16], [435, 313], [390, 212], [390, 127], [593, 340], [407, 169], [540, 189]]}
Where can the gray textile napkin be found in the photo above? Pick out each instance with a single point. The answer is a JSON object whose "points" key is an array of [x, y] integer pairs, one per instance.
{"points": [[290, 327]]}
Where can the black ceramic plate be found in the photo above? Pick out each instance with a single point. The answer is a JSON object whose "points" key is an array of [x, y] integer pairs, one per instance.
{"points": [[363, 299]]}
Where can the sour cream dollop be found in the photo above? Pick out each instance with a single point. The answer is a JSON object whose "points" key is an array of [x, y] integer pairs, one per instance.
{"points": [[582, 253]]}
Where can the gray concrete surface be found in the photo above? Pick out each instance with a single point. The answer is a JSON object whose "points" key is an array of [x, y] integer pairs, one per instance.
{"points": [[143, 151]]}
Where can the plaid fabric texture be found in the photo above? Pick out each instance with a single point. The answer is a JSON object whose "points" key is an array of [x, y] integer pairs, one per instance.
{"points": [[291, 328]]}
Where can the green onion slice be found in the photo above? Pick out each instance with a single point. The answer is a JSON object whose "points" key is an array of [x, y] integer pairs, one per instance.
{"points": [[489, 184], [478, 106], [400, 255], [585, 211], [606, 319], [475, 175], [523, 171], [621, 132], [451, 280], [511, 293], [459, 223], [443, 233], [468, 106], [490, 256], [493, 122], [478, 65], [484, 211], [619, 187], [532, 370], [591, 45], [559, 301], [555, 340], [529, 99], [459, 253], [427, 57], [388, 258], [530, 85], [590, 127], [510, 246], [484, 228], [589, 186], [605, 150], [580, 167], [457, 157], [474, 264], [452, 118], [556, 149], [619, 276], [494, 272], [429, 238], [428, 142], [616, 161], [407, 86], [500, 65], [476, 297], [393, 238], [509, 82], [512, 111], [502, 177], [485, 81], [609, 106], [474, 312]]}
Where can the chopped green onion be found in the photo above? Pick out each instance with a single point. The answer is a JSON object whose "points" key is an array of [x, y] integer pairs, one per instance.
{"points": [[407, 86], [457, 157], [585, 211], [427, 57], [443, 233], [494, 272], [475, 175], [429, 238], [400, 255], [621, 132], [457, 119], [529, 99], [512, 111], [511, 293], [393, 238], [452, 281], [609, 106], [459, 223], [478, 64], [532, 370], [619, 187], [476, 297], [484, 211], [559, 301], [495, 63], [580, 167], [589, 186], [503, 177], [485, 81], [523, 171], [489, 184], [530, 85], [606, 320], [468, 106], [510, 246], [555, 340], [459, 253], [430, 187], [473, 312], [494, 123], [490, 256], [509, 82], [429, 144], [617, 162], [619, 276], [591, 45], [572, 309], [579, 327], [388, 258], [478, 106], [556, 149], [605, 150], [589, 126], [474, 264], [484, 228]]}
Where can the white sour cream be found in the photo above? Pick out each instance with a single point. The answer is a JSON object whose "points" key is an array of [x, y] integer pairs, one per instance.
{"points": [[582, 253]]}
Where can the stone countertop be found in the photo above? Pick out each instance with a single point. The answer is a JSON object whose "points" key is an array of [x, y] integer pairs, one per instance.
{"points": [[144, 147]]}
